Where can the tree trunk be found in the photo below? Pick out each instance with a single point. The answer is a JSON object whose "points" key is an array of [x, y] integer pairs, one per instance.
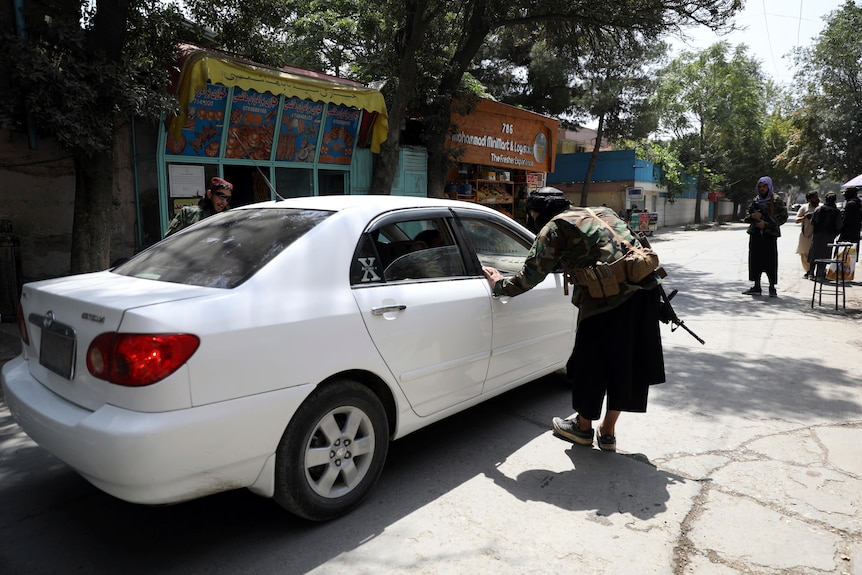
{"points": [[94, 174], [438, 118], [594, 157], [699, 187], [91, 227], [385, 164], [438, 115]]}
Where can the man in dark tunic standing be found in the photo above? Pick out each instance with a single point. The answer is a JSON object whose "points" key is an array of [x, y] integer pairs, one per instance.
{"points": [[766, 214]]}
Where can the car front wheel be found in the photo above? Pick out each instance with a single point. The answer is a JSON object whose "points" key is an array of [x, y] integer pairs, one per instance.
{"points": [[332, 452]]}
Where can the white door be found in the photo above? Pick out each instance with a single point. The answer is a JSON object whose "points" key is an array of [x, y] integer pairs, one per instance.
{"points": [[430, 321], [532, 331], [434, 336]]}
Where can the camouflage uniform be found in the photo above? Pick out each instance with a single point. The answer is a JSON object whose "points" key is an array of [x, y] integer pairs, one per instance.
{"points": [[577, 240], [188, 216], [618, 351]]}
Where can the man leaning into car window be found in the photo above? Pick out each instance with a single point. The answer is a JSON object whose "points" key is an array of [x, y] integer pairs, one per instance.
{"points": [[623, 328], [217, 199]]}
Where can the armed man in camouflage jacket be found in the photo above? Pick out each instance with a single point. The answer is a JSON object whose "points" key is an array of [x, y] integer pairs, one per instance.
{"points": [[217, 199], [618, 350]]}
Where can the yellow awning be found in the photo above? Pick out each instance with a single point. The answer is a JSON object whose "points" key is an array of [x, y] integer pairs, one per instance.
{"points": [[202, 67]]}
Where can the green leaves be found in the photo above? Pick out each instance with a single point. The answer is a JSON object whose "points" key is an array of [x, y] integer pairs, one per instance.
{"points": [[829, 91], [714, 105], [74, 80]]}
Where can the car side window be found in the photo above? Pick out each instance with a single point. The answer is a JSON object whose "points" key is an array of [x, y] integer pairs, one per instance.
{"points": [[495, 245], [414, 249]]}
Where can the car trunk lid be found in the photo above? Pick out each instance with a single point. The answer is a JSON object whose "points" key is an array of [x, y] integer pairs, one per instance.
{"points": [[63, 316]]}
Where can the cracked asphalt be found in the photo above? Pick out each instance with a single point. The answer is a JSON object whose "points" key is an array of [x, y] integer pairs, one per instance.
{"points": [[749, 460]]}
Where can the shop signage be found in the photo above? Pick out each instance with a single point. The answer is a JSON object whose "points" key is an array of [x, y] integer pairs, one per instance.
{"points": [[202, 129], [251, 121], [339, 135], [251, 125], [300, 126], [495, 134]]}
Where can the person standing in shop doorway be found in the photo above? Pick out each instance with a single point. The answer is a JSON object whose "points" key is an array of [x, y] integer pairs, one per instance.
{"points": [[217, 199], [766, 214]]}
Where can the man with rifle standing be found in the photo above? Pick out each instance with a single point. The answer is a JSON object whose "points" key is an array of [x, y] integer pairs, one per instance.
{"points": [[766, 214]]}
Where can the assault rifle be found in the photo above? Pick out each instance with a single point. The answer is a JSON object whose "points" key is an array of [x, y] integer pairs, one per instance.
{"points": [[666, 313]]}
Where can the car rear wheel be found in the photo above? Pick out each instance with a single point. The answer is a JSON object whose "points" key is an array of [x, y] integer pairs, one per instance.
{"points": [[332, 452]]}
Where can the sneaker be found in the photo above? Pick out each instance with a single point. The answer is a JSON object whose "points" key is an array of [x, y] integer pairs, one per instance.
{"points": [[568, 429], [607, 442], [752, 291], [772, 292]]}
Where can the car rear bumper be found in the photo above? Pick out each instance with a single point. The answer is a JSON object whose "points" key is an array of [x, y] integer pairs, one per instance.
{"points": [[154, 458]]}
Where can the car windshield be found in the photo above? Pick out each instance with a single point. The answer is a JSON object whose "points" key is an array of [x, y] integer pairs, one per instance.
{"points": [[224, 250]]}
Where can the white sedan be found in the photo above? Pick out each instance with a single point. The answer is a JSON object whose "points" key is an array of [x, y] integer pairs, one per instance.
{"points": [[279, 347]]}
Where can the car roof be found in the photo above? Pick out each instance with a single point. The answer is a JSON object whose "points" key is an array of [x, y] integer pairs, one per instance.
{"points": [[363, 203]]}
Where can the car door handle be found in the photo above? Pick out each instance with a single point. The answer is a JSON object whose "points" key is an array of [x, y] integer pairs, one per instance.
{"points": [[387, 309]]}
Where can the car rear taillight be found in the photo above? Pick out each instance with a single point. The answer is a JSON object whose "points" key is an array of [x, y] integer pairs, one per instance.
{"points": [[22, 326], [136, 360]]}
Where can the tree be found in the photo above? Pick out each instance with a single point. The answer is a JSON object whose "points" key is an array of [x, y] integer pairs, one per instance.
{"points": [[713, 104], [87, 65], [561, 24], [607, 76], [80, 70], [618, 85], [669, 171], [829, 80], [425, 49]]}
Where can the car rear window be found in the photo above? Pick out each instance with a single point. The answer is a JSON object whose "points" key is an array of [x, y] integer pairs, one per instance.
{"points": [[223, 250]]}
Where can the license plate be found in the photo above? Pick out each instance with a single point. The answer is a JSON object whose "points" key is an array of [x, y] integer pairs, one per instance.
{"points": [[57, 349]]}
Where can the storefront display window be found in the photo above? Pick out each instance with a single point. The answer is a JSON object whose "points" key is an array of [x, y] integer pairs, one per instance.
{"points": [[269, 131], [300, 124], [332, 183], [251, 125], [202, 130], [339, 135], [294, 182]]}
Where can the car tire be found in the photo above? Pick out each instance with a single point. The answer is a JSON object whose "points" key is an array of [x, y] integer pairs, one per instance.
{"points": [[332, 452]]}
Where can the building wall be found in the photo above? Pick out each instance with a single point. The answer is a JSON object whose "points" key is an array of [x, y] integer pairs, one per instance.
{"points": [[681, 212], [616, 172], [580, 140], [37, 194], [724, 210]]}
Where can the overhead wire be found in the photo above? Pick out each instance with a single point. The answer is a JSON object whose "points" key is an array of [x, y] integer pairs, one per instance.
{"points": [[799, 24], [769, 39]]}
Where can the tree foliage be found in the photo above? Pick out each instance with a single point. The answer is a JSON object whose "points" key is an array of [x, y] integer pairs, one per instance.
{"points": [[73, 87], [713, 104], [76, 72], [85, 66], [669, 170], [829, 82], [427, 51]]}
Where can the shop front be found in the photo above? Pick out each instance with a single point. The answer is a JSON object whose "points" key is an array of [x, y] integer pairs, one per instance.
{"points": [[504, 152], [271, 132]]}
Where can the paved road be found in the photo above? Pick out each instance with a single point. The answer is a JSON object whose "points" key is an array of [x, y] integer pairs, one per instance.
{"points": [[748, 461]]}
